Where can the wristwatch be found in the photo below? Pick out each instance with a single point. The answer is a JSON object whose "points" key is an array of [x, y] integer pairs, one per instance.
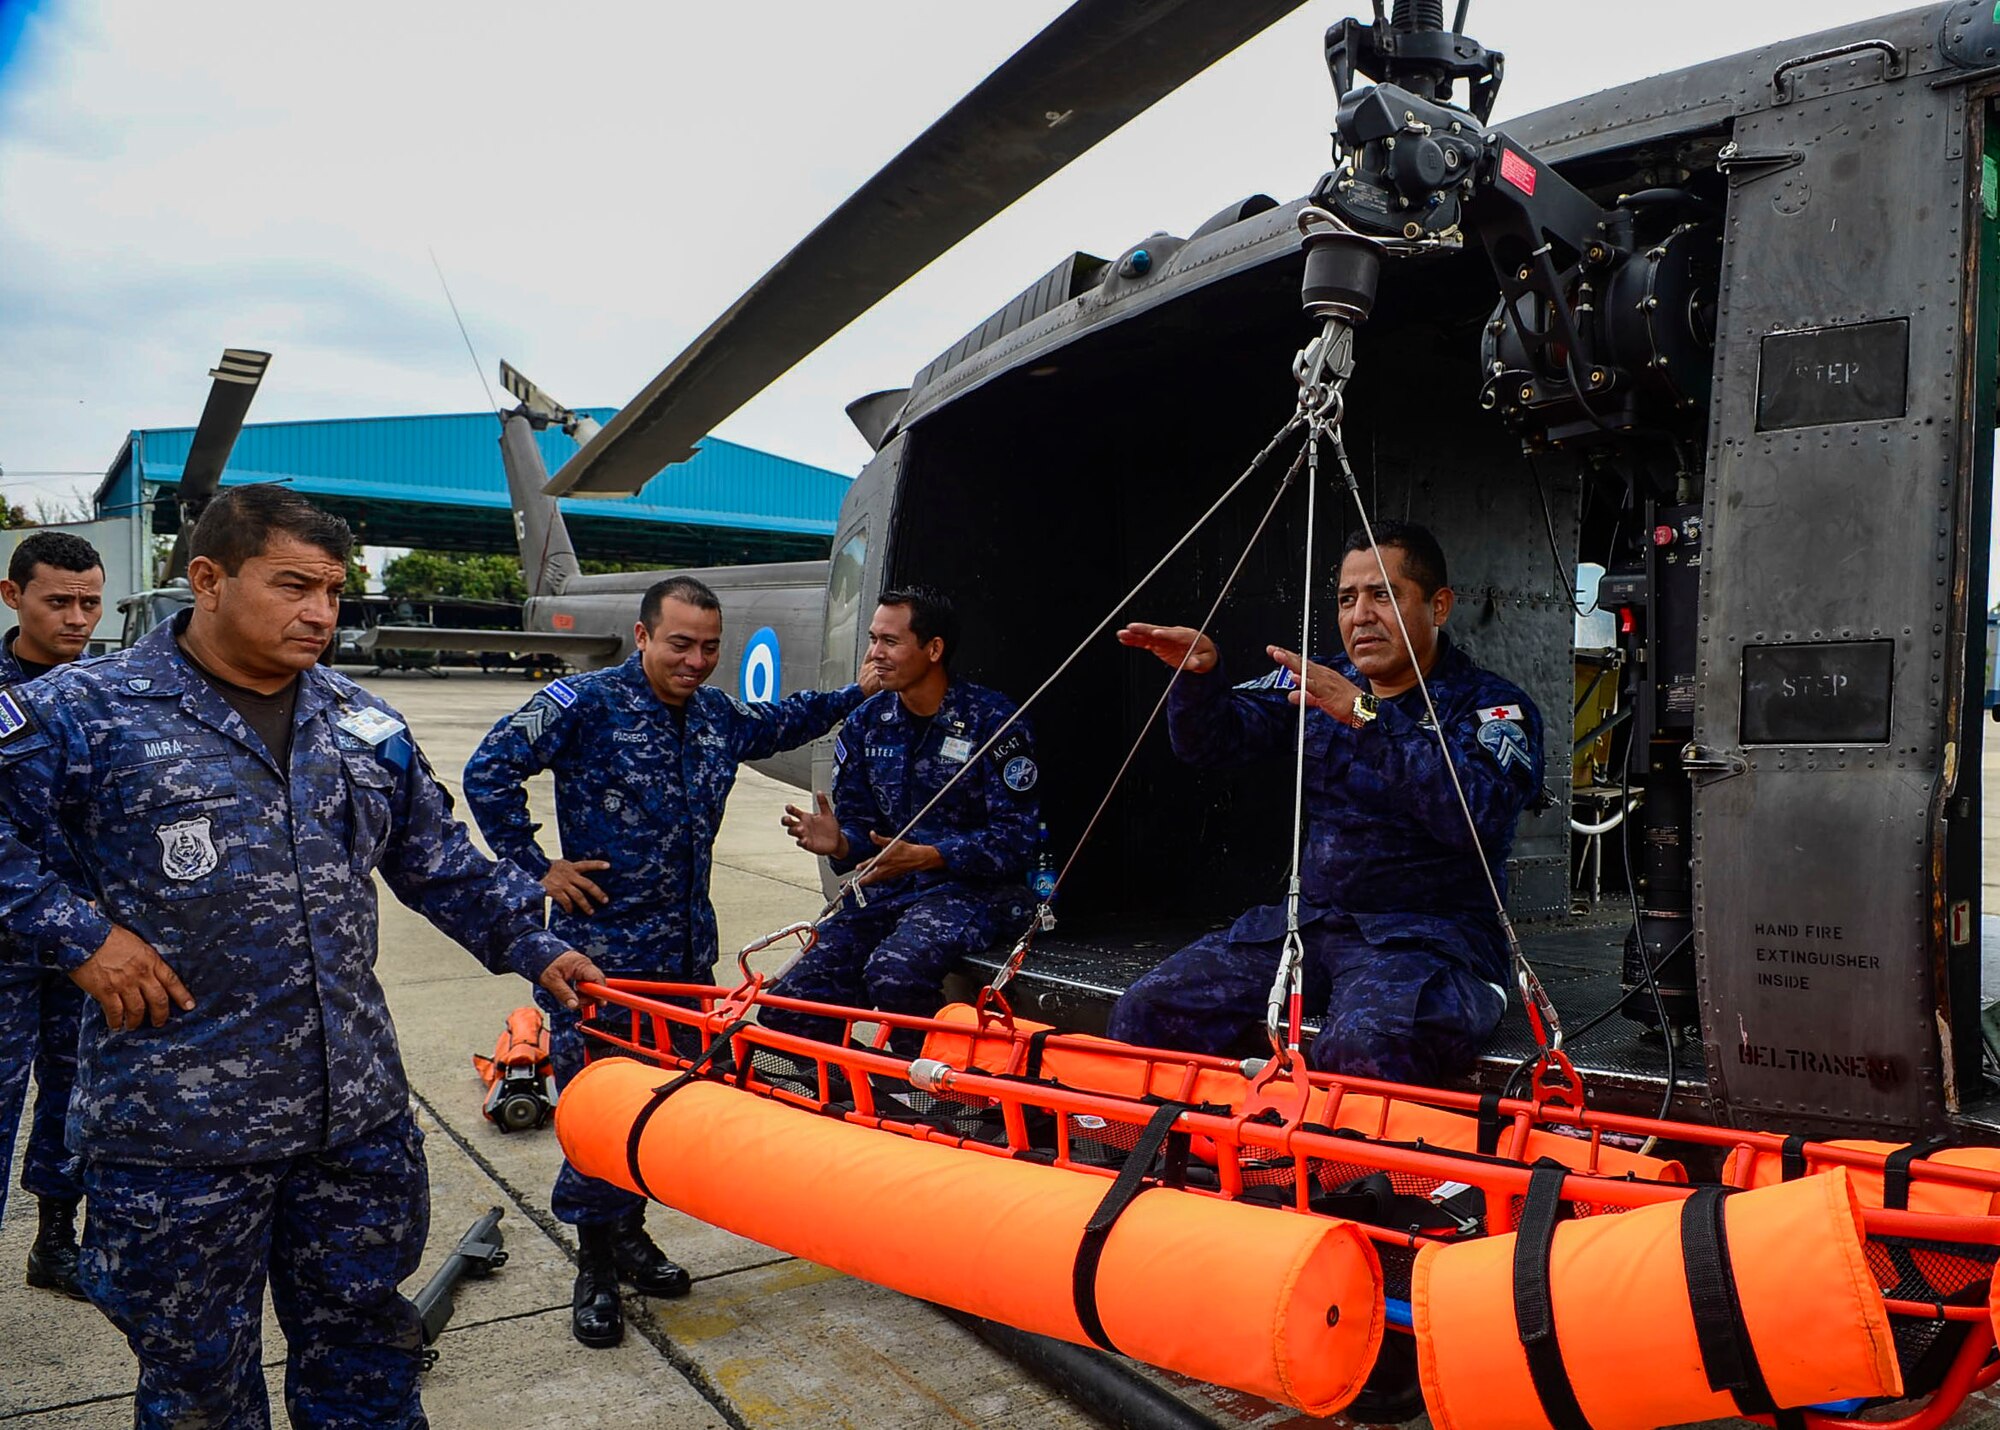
{"points": [[1366, 708]]}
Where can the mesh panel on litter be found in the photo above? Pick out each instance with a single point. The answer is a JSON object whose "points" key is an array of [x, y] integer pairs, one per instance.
{"points": [[783, 1071], [1332, 1176], [1100, 1142], [1268, 1172], [900, 1101], [1412, 1184], [1397, 1264], [1915, 1341], [1910, 1270]]}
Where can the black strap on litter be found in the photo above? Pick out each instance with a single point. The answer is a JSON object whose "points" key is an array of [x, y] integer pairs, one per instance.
{"points": [[1896, 1173], [1036, 1043], [1534, 1310], [1792, 1158], [1728, 1358], [1489, 1124], [1130, 1182], [666, 1090]]}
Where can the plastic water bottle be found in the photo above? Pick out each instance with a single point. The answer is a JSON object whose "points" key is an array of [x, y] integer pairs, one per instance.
{"points": [[1042, 878]]}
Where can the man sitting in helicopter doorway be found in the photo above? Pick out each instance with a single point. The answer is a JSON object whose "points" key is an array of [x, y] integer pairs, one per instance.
{"points": [[1403, 951], [953, 884]]}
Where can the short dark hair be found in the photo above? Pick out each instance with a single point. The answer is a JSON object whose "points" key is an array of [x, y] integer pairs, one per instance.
{"points": [[1423, 558], [240, 523], [685, 589], [51, 548], [932, 614]]}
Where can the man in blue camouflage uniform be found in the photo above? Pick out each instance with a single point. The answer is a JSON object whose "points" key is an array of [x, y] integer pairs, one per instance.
{"points": [[55, 585], [190, 832], [955, 884], [644, 757], [1402, 946]]}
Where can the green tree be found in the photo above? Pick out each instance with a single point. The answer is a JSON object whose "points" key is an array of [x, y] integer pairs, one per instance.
{"points": [[590, 567], [438, 573]]}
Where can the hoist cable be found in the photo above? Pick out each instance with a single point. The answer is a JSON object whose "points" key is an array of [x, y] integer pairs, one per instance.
{"points": [[1290, 985]]}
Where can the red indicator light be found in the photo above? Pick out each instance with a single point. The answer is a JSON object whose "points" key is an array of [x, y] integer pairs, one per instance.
{"points": [[1664, 536], [1625, 621]]}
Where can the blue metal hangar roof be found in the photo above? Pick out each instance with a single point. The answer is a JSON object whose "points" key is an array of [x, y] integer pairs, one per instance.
{"points": [[438, 482]]}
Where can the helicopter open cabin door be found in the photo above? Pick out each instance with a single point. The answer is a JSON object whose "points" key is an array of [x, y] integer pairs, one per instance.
{"points": [[1846, 530], [854, 580]]}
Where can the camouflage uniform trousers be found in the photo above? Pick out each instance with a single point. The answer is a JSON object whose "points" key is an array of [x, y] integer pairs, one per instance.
{"points": [[577, 1199], [177, 1258], [893, 955], [1401, 1012], [39, 1013]]}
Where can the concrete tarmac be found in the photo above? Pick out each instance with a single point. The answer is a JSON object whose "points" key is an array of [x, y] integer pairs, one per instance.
{"points": [[765, 1340]]}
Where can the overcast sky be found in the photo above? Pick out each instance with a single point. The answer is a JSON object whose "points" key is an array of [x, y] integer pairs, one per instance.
{"points": [[598, 182]]}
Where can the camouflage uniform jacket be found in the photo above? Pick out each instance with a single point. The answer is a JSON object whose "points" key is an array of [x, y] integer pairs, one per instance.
{"points": [[887, 767], [253, 885], [14, 956], [1386, 842], [640, 790], [10, 668]]}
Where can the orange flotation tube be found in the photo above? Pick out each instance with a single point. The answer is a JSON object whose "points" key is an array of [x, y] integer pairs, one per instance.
{"points": [[1636, 1319], [1261, 1300], [1892, 1185]]}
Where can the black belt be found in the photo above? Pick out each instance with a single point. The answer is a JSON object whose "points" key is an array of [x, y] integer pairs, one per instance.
{"points": [[1130, 1182], [1534, 1310], [667, 1090], [1728, 1358]]}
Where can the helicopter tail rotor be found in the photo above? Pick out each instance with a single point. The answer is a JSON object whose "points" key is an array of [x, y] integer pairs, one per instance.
{"points": [[236, 379]]}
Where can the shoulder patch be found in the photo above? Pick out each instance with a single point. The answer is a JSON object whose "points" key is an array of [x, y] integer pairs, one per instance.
{"points": [[15, 722], [533, 718], [1020, 774], [1014, 742], [1505, 741], [560, 691], [1500, 712], [1279, 679]]}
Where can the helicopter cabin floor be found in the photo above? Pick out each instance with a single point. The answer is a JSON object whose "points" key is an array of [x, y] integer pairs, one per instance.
{"points": [[1071, 979]]}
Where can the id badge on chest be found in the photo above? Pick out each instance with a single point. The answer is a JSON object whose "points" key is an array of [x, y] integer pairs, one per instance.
{"points": [[369, 725]]}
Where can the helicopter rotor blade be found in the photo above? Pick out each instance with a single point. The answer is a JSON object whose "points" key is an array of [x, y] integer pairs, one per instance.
{"points": [[236, 379], [1096, 66]]}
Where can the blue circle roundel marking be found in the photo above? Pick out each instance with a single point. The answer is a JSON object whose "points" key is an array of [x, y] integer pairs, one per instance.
{"points": [[758, 682]]}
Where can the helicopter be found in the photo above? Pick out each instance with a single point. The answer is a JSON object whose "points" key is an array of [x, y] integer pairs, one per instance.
{"points": [[1728, 333]]}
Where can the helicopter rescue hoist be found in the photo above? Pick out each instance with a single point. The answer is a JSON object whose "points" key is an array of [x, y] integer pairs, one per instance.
{"points": [[1600, 350]]}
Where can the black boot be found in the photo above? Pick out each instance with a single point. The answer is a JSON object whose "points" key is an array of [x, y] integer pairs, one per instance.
{"points": [[642, 1265], [52, 1259], [1393, 1393], [595, 1317]]}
